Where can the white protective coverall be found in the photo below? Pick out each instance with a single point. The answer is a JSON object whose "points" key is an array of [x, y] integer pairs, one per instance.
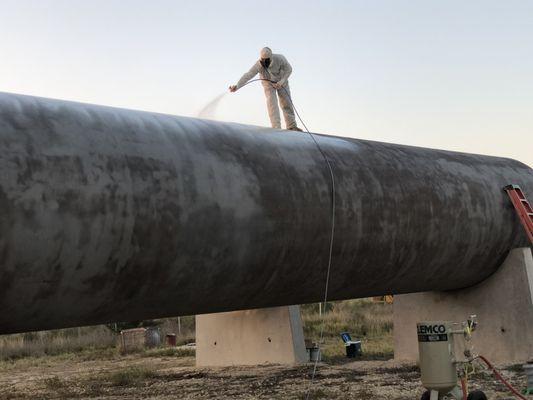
{"points": [[278, 71]]}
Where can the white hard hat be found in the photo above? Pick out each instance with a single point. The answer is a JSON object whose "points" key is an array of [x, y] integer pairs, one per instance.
{"points": [[266, 52]]}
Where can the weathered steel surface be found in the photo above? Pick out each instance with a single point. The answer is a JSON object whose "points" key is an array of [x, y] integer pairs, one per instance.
{"points": [[112, 215]]}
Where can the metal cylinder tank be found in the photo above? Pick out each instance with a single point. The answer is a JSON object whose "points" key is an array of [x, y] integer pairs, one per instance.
{"points": [[114, 215]]}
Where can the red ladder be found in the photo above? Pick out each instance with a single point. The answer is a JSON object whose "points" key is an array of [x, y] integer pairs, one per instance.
{"points": [[522, 207]]}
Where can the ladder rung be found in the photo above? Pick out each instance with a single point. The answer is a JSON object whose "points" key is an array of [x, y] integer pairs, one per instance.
{"points": [[522, 207]]}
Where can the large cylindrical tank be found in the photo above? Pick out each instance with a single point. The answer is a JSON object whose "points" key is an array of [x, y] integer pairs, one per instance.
{"points": [[112, 215]]}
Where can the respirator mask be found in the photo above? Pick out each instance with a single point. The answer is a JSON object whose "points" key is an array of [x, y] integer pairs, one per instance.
{"points": [[265, 62]]}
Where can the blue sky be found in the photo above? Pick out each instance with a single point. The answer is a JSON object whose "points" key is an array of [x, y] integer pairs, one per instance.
{"points": [[454, 75]]}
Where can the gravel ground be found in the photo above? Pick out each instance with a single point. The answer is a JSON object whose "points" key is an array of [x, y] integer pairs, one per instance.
{"points": [[171, 377]]}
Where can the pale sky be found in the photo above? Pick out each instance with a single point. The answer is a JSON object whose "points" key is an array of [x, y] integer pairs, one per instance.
{"points": [[454, 75]]}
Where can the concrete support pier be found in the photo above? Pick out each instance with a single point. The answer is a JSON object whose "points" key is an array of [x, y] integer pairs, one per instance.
{"points": [[503, 304], [251, 337]]}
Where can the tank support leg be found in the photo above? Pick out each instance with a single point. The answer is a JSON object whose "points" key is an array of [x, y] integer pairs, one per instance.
{"points": [[503, 302], [251, 337]]}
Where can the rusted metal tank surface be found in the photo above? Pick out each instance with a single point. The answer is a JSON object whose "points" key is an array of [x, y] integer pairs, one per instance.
{"points": [[114, 215]]}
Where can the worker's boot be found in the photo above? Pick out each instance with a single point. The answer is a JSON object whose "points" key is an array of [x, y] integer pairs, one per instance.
{"points": [[294, 128]]}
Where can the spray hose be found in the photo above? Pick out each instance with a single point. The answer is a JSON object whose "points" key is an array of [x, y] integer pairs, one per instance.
{"points": [[464, 388], [501, 378], [332, 235]]}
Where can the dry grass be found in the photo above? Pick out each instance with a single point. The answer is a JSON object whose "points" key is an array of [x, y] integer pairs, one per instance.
{"points": [[364, 319], [131, 376], [92, 342], [54, 383], [36, 344], [169, 352]]}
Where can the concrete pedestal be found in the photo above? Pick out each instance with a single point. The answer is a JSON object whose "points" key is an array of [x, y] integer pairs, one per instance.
{"points": [[251, 337], [503, 304]]}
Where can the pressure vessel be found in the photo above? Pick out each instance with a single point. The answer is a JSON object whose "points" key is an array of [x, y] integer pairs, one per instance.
{"points": [[113, 215]]}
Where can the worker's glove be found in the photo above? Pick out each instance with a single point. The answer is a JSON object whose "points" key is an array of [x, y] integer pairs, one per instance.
{"points": [[233, 88]]}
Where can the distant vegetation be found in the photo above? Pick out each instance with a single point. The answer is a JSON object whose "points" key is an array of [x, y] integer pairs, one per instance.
{"points": [[100, 339], [37, 344], [363, 319]]}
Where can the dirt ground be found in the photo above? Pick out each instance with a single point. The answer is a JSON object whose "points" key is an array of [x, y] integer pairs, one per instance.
{"points": [[156, 376]]}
